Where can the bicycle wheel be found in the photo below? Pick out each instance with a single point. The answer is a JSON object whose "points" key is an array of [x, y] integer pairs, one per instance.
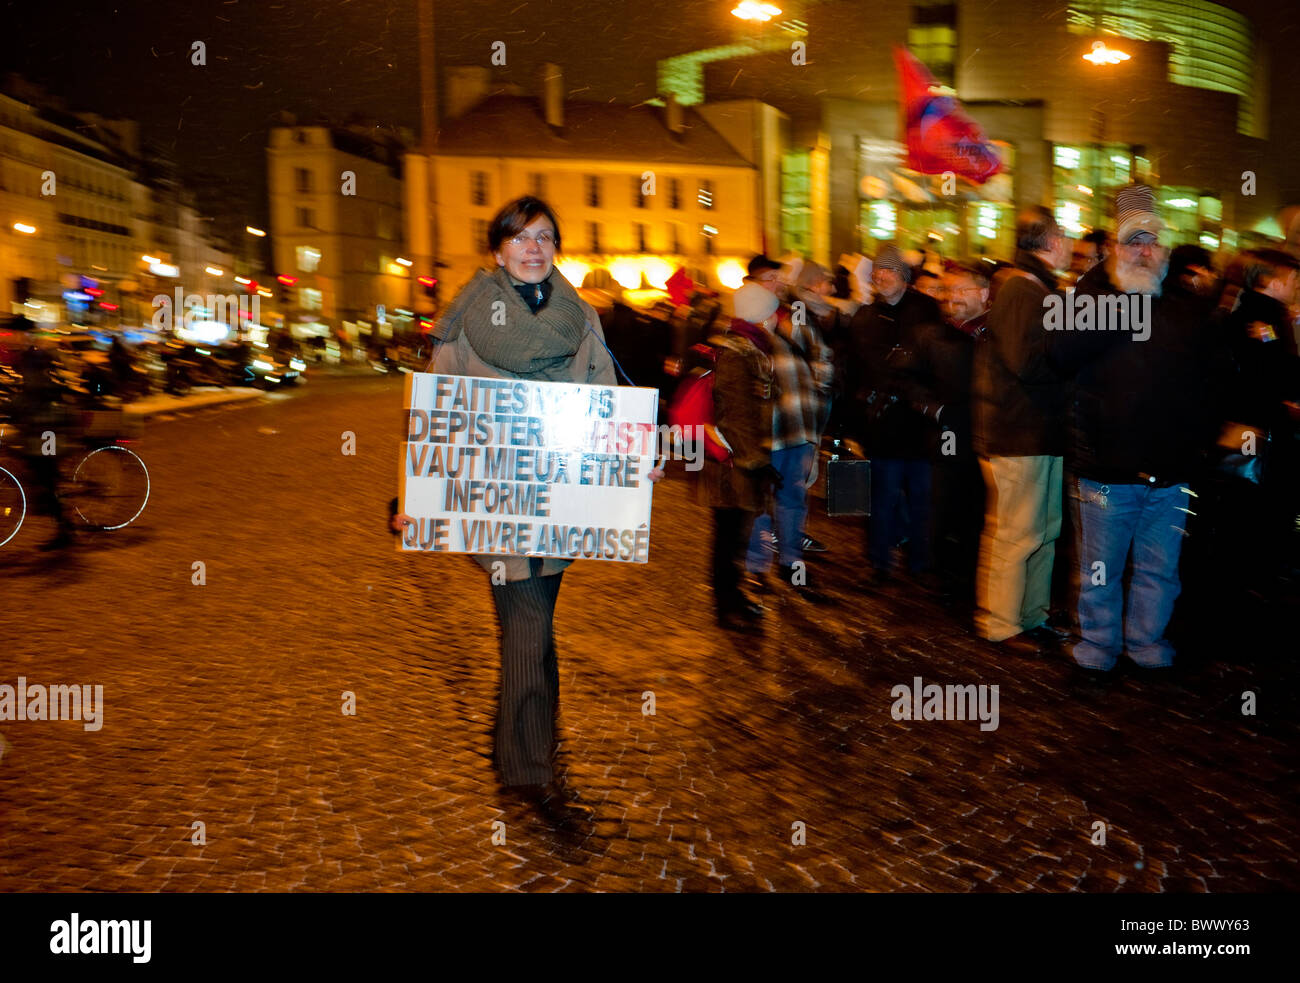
{"points": [[13, 506], [110, 488]]}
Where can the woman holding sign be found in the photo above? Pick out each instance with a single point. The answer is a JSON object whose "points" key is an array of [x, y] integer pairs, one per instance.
{"points": [[525, 321]]}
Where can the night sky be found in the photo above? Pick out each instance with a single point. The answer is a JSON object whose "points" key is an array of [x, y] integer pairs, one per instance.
{"points": [[318, 57], [338, 57]]}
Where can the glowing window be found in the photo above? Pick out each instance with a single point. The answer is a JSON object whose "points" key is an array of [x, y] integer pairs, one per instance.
{"points": [[1068, 157]]}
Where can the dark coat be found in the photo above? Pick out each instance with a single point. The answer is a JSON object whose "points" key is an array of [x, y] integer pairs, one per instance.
{"points": [[1018, 399], [889, 377], [950, 352], [1140, 407], [1267, 370], [743, 394]]}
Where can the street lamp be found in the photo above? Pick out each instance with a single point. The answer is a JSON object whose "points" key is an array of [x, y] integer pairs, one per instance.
{"points": [[24, 228], [1102, 55], [260, 233], [753, 10], [1098, 56]]}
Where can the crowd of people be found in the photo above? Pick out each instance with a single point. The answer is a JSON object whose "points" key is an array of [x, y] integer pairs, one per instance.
{"points": [[987, 432], [1090, 394]]}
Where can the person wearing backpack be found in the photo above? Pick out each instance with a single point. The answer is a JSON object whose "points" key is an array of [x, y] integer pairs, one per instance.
{"points": [[738, 488]]}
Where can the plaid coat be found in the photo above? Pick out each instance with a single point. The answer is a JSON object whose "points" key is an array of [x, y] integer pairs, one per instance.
{"points": [[803, 368]]}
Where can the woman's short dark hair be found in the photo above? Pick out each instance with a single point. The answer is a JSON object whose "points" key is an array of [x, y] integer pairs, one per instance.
{"points": [[516, 216]]}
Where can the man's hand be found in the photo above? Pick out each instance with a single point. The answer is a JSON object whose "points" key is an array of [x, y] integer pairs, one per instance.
{"points": [[768, 475], [655, 474]]}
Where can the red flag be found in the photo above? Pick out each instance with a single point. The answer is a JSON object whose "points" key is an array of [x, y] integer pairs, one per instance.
{"points": [[680, 286], [940, 136]]}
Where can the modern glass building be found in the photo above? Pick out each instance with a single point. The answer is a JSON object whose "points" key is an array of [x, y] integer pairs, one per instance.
{"points": [[1211, 47], [1177, 97]]}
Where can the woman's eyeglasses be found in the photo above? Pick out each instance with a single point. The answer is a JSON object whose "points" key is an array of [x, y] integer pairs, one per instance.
{"points": [[542, 238]]}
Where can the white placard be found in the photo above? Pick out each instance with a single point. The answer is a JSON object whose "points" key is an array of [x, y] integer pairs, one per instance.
{"points": [[509, 467]]}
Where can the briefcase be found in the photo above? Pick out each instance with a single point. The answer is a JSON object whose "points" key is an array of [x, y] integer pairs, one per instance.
{"points": [[848, 486]]}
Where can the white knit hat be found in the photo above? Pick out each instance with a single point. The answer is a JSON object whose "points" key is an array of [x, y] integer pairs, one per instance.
{"points": [[754, 303]]}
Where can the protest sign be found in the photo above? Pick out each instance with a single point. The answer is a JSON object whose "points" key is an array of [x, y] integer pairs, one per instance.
{"points": [[512, 467]]}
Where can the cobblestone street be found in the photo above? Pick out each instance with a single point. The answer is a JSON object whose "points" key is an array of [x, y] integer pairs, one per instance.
{"points": [[222, 705]]}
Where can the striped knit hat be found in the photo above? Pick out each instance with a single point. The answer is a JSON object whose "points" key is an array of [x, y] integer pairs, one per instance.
{"points": [[1135, 212], [889, 258]]}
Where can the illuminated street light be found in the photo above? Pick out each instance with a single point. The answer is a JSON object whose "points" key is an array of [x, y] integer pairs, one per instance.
{"points": [[752, 10], [213, 271], [24, 228], [1102, 55], [243, 280], [151, 260], [403, 261], [254, 232]]}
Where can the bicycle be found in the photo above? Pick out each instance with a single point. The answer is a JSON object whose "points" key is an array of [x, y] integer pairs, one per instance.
{"points": [[104, 489]]}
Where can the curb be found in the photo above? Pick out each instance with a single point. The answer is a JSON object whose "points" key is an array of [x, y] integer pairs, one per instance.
{"points": [[153, 407]]}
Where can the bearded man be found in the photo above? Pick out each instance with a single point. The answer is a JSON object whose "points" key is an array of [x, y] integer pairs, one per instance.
{"points": [[1138, 418]]}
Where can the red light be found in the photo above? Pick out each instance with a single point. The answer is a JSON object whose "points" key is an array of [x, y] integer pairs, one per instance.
{"points": [[287, 280], [425, 325], [252, 286], [107, 306], [426, 281], [95, 291]]}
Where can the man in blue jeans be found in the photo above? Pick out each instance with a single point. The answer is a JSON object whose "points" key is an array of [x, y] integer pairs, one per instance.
{"points": [[1140, 414], [802, 370], [895, 409]]}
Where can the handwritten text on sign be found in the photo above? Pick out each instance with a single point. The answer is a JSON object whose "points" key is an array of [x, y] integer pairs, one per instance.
{"points": [[506, 466]]}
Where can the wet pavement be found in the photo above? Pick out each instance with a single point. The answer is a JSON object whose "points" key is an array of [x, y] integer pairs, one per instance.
{"points": [[769, 763]]}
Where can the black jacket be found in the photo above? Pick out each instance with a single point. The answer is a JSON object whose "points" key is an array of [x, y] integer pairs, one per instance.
{"points": [[951, 354], [1140, 407], [1259, 335], [1018, 398], [889, 379]]}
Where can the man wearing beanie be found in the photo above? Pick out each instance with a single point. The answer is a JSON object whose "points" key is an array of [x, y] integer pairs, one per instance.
{"points": [[1019, 411], [895, 409], [1140, 416]]}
